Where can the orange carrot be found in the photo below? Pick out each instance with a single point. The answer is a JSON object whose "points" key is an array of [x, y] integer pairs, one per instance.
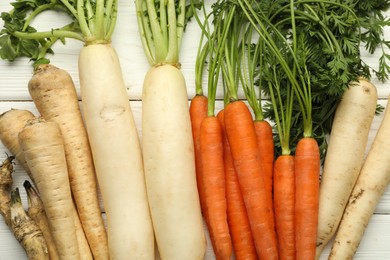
{"points": [[240, 231], [214, 186], [284, 205], [242, 138], [265, 142], [198, 111], [307, 174]]}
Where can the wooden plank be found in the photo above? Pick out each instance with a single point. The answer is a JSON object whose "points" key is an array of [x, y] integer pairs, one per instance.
{"points": [[14, 76]]}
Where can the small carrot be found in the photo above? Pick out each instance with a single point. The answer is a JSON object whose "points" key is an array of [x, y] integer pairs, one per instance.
{"points": [[284, 205], [242, 138], [211, 146], [238, 221], [198, 111], [307, 174], [250, 61], [265, 143]]}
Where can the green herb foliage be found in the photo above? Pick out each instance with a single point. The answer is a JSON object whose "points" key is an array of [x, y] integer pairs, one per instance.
{"points": [[92, 21], [328, 38]]}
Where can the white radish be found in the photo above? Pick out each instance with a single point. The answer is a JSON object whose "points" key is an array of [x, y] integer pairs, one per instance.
{"points": [[371, 184], [168, 149], [345, 154], [117, 154], [169, 165]]}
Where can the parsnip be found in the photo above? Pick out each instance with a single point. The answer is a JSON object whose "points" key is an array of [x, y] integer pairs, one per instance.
{"points": [[6, 181], [371, 184], [345, 155], [37, 213], [43, 149], [26, 231], [11, 123], [54, 94]]}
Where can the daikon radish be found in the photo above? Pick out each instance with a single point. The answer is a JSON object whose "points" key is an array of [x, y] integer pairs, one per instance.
{"points": [[168, 149]]}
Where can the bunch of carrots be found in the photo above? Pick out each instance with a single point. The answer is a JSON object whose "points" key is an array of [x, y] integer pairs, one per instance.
{"points": [[235, 155], [258, 202]]}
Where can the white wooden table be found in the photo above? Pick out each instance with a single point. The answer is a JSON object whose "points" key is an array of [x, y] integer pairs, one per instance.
{"points": [[14, 94]]}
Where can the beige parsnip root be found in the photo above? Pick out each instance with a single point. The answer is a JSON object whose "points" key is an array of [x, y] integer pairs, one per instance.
{"points": [[6, 170], [11, 123], [371, 184], [37, 213], [117, 153], [53, 92], [17, 119], [43, 148], [169, 165], [84, 249], [26, 231], [345, 156]]}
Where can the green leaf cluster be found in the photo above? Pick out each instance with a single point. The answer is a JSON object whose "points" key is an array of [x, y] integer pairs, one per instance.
{"points": [[92, 21]]}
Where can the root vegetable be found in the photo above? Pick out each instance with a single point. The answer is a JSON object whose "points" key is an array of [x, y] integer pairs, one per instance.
{"points": [[108, 117], [117, 153], [6, 170], [198, 112], [243, 141], [26, 230], [54, 94], [211, 148], [307, 174], [43, 149], [170, 165], [239, 226], [37, 213], [345, 156], [11, 123], [373, 179], [284, 205]]}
